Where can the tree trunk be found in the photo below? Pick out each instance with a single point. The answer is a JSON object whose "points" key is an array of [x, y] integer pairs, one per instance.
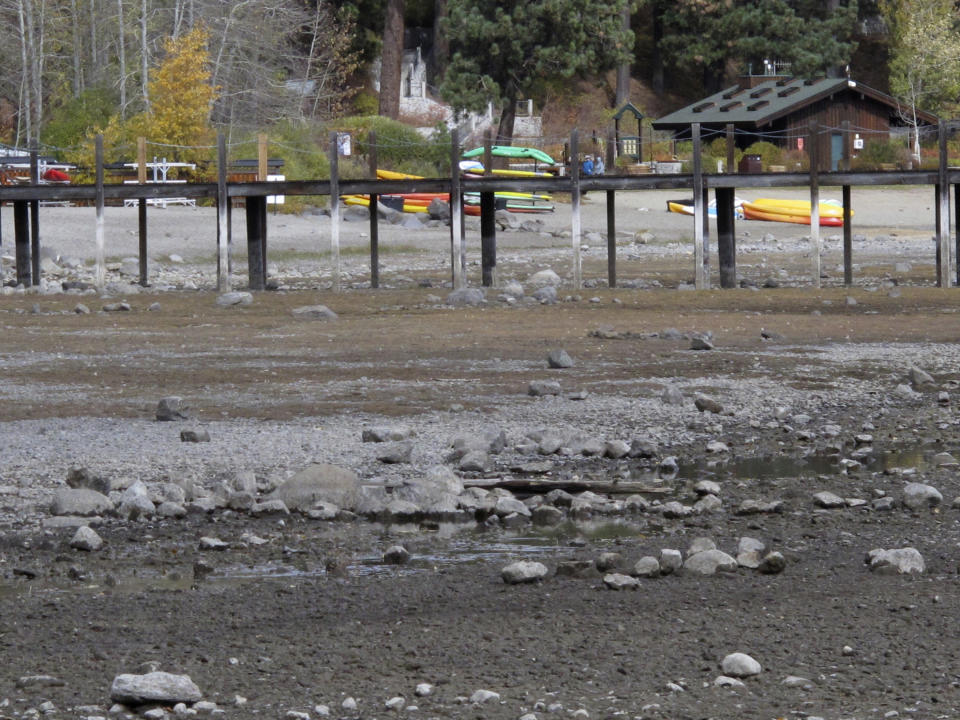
{"points": [[77, 65], [623, 70], [391, 59], [144, 56], [95, 73], [122, 56], [441, 45], [26, 96], [507, 117], [656, 57]]}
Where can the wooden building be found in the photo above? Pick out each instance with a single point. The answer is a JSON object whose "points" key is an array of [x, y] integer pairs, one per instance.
{"points": [[779, 109]]}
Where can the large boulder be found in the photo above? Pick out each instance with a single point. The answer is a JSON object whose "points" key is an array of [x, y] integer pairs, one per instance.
{"points": [[319, 482], [80, 501], [154, 687]]}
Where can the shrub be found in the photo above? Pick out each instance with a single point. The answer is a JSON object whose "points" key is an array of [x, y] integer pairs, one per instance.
{"points": [[769, 153], [399, 146], [881, 152]]}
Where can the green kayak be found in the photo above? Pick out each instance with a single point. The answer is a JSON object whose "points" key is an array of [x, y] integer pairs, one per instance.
{"points": [[510, 151]]}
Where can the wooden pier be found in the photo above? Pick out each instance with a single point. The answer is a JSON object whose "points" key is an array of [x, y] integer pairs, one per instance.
{"points": [[27, 200]]}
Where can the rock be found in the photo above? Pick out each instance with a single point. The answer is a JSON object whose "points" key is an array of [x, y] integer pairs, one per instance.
{"points": [[116, 307], [700, 544], [194, 435], [546, 515], [79, 477], [481, 697], [740, 665], [396, 453], [319, 482], [707, 504], [81, 309], [705, 404], [386, 433], [795, 681], [618, 581], [466, 297], [438, 209], [154, 687], [543, 278], [944, 459], [671, 395], [475, 461], [748, 553], [423, 690], [510, 505], [671, 561], [608, 561], [540, 388], [171, 408], [828, 500], [39, 681], [674, 510], [918, 496], [559, 359], [546, 295], [699, 342], [234, 298], [715, 447], [314, 312], [86, 539], [512, 289], [772, 564], [727, 681], [396, 555], [267, 507], [648, 567], [902, 561], [80, 501], [212, 543], [707, 487], [710, 562], [920, 379], [135, 505], [643, 448], [523, 571]]}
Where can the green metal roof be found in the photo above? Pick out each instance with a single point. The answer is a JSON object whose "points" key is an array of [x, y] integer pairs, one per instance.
{"points": [[752, 108]]}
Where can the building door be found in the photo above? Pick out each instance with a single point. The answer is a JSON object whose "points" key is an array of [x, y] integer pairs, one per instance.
{"points": [[836, 151]]}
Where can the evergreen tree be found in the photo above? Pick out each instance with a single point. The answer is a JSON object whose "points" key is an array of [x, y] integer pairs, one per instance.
{"points": [[501, 50]]}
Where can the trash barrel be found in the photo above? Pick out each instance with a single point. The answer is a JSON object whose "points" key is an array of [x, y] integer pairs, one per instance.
{"points": [[750, 164]]}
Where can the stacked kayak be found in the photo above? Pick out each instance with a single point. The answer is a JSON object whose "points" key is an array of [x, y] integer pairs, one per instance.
{"points": [[793, 211], [684, 206]]}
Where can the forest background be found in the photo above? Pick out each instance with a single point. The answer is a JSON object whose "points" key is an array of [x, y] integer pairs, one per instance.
{"points": [[178, 71]]}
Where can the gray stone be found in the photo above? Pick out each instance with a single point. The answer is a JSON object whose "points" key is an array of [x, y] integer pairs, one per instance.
{"points": [[269, 507], [512, 288], [523, 571], [546, 295], [540, 388], [828, 500], [705, 404], [902, 561], [319, 483], [171, 408], [212, 543], [918, 496], [740, 665], [619, 581], [671, 395], [700, 544], [81, 309], [386, 433], [475, 461], [481, 697], [920, 379], [671, 561], [234, 298], [543, 278], [508, 505], [559, 359], [648, 567], [616, 449], [699, 342], [86, 539], [546, 515], [396, 453], [707, 487], [171, 510], [438, 209], [80, 501], [314, 312], [709, 562], [643, 448], [707, 504], [773, 563], [466, 297], [154, 687], [674, 510], [715, 447], [134, 506], [608, 561], [79, 477], [117, 307], [194, 435], [396, 555]]}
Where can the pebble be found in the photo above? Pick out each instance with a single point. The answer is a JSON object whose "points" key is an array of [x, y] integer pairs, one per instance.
{"points": [[480, 697], [740, 665], [619, 581], [524, 571], [86, 538]]}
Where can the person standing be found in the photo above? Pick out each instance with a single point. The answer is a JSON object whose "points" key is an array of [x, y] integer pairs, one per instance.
{"points": [[587, 167], [598, 167]]}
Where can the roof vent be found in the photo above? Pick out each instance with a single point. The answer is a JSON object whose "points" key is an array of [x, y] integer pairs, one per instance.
{"points": [[758, 105], [729, 106], [702, 106], [783, 81], [760, 92], [788, 91], [730, 93]]}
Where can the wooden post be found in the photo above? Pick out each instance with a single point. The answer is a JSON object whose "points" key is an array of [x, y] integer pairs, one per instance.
{"points": [[611, 218], [101, 270], [456, 212], [845, 129], [814, 142], [223, 250], [21, 238], [847, 238], [575, 206], [255, 259], [943, 225], [262, 170], [142, 209], [956, 210], [335, 210], [731, 149], [488, 220], [698, 210], [35, 218], [726, 237], [374, 214]]}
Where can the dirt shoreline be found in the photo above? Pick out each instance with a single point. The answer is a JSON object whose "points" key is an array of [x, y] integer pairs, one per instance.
{"points": [[313, 615]]}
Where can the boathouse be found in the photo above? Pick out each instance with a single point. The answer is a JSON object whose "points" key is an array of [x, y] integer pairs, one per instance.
{"points": [[779, 109]]}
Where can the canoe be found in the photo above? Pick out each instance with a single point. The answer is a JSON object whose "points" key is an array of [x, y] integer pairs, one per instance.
{"points": [[750, 212], [511, 151], [779, 206]]}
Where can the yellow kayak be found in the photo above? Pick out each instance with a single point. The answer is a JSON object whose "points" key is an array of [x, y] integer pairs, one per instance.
{"points": [[365, 202], [393, 175], [799, 208]]}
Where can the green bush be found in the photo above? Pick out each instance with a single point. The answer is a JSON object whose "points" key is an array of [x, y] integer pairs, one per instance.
{"points": [[399, 147], [769, 153], [881, 152], [73, 120]]}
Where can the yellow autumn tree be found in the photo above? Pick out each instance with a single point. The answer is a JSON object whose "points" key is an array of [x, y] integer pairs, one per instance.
{"points": [[181, 95]]}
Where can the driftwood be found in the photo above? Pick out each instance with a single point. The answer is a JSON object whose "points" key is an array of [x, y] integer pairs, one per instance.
{"points": [[539, 486]]}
